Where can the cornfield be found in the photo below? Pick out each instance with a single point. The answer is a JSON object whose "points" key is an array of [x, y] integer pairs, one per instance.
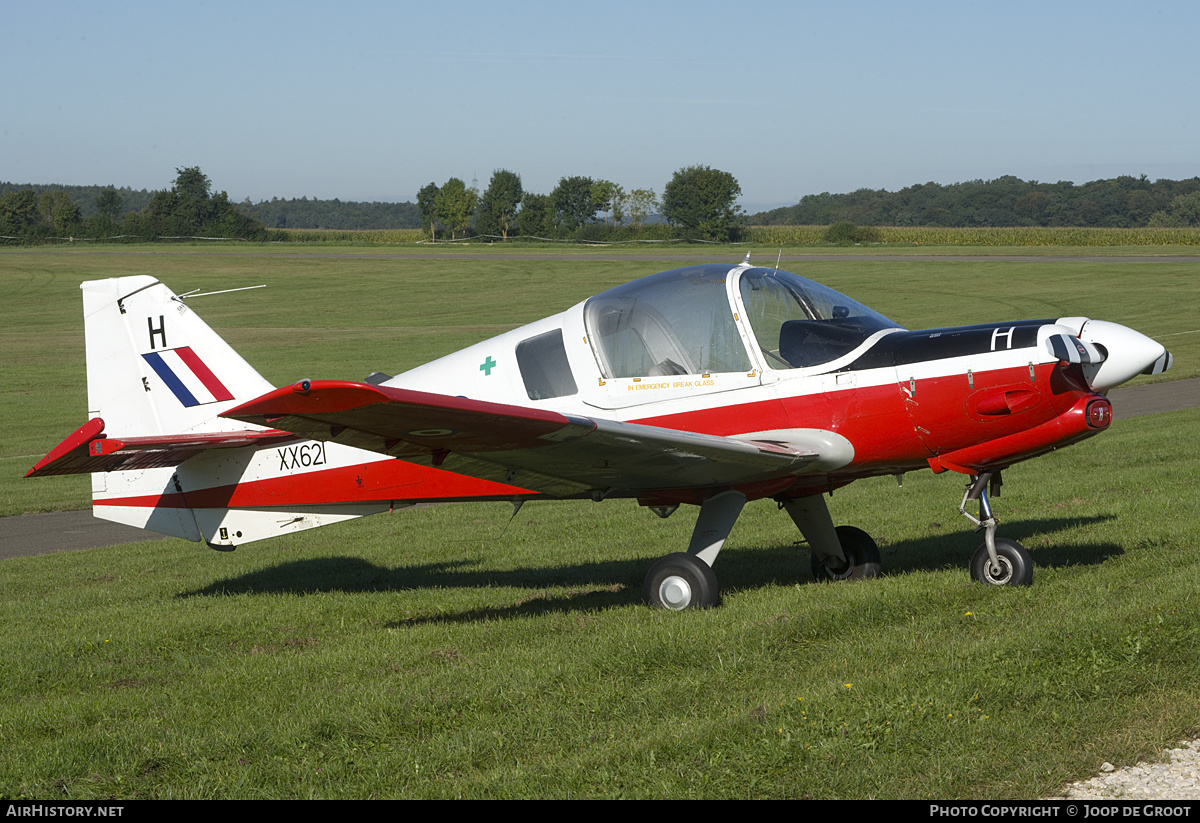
{"points": [[815, 236], [365, 236], [1007, 236]]}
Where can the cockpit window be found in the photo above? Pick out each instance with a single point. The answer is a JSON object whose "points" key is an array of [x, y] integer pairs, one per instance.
{"points": [[799, 323], [674, 322]]}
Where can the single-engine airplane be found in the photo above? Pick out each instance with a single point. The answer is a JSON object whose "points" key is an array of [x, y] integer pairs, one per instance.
{"points": [[710, 385]]}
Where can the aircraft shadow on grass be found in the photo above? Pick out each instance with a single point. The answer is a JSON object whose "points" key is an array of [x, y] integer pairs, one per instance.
{"points": [[595, 586]]}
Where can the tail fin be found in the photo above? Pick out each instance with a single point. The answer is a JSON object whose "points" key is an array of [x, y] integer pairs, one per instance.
{"points": [[160, 456], [154, 367]]}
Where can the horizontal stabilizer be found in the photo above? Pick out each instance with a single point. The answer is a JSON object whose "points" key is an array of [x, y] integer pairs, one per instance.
{"points": [[88, 449]]}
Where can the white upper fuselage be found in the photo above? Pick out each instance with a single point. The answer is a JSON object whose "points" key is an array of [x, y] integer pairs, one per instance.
{"points": [[491, 370]]}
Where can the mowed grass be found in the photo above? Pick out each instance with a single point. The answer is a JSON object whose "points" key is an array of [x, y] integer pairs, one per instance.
{"points": [[450, 651], [440, 653]]}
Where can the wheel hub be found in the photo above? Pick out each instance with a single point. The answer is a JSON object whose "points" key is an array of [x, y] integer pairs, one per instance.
{"points": [[837, 568], [675, 593], [1000, 572]]}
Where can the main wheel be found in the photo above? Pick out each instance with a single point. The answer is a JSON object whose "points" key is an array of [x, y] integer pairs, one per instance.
{"points": [[861, 551], [1016, 566], [681, 581]]}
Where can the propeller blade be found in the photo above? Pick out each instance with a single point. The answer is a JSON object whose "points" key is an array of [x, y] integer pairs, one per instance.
{"points": [[1070, 349], [1127, 353]]}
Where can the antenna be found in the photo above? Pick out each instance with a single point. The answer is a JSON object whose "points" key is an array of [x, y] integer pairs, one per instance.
{"points": [[198, 293], [778, 257]]}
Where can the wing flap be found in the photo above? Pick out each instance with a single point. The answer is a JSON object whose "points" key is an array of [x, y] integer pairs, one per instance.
{"points": [[539, 450]]}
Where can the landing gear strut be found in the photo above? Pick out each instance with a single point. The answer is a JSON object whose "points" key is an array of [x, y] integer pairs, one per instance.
{"points": [[999, 561], [842, 553]]}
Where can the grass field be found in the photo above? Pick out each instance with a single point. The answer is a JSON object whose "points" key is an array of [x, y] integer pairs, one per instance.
{"points": [[449, 652]]}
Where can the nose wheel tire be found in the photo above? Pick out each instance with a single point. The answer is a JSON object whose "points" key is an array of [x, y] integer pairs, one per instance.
{"points": [[862, 558], [681, 581], [1015, 568]]}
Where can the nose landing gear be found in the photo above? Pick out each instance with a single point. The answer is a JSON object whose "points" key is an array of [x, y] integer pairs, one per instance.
{"points": [[999, 561]]}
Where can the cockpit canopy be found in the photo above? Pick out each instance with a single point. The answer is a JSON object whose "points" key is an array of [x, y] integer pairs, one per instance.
{"points": [[674, 322], [683, 322], [799, 324]]}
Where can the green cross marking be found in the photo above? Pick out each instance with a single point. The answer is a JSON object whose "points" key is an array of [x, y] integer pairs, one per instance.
{"points": [[487, 365]]}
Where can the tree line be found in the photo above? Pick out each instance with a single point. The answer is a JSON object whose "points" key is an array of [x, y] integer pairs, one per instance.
{"points": [[1121, 202], [188, 209], [305, 213], [697, 203]]}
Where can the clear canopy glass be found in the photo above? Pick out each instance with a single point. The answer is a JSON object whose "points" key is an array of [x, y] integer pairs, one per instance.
{"points": [[799, 323], [682, 322], [674, 322]]}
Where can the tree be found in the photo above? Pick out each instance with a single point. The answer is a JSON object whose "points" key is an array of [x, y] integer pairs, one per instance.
{"points": [[454, 205], [189, 209], [535, 212], [59, 212], [192, 208], [1184, 211], [18, 212], [574, 202], [616, 206], [497, 212], [109, 203], [642, 203], [604, 192], [703, 200], [192, 184], [427, 205]]}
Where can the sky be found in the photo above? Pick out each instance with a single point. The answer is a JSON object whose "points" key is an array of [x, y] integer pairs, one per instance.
{"points": [[373, 100]]}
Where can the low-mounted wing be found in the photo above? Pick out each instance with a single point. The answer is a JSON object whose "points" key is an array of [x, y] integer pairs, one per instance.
{"points": [[535, 449]]}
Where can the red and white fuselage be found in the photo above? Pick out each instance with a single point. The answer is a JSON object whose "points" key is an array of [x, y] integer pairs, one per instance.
{"points": [[672, 389]]}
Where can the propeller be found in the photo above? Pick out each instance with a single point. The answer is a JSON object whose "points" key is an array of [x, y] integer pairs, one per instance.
{"points": [[1110, 354]]}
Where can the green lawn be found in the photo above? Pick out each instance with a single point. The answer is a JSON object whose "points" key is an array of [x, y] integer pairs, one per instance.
{"points": [[449, 652]]}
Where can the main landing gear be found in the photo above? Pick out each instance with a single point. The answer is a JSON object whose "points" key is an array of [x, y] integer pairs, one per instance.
{"points": [[685, 580], [842, 553], [999, 561], [681, 581], [860, 561]]}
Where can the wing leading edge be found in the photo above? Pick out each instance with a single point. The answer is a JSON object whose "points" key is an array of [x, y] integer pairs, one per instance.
{"points": [[535, 449]]}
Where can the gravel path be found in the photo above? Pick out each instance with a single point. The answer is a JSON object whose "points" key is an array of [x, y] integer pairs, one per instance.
{"points": [[1177, 777]]}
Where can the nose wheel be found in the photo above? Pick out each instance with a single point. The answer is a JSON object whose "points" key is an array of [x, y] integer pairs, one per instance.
{"points": [[999, 561], [1012, 566]]}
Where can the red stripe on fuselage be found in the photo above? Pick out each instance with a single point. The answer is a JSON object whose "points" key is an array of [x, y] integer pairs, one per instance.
{"points": [[380, 481], [891, 432]]}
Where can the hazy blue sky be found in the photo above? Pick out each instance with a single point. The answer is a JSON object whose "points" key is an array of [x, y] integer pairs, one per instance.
{"points": [[372, 100]]}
